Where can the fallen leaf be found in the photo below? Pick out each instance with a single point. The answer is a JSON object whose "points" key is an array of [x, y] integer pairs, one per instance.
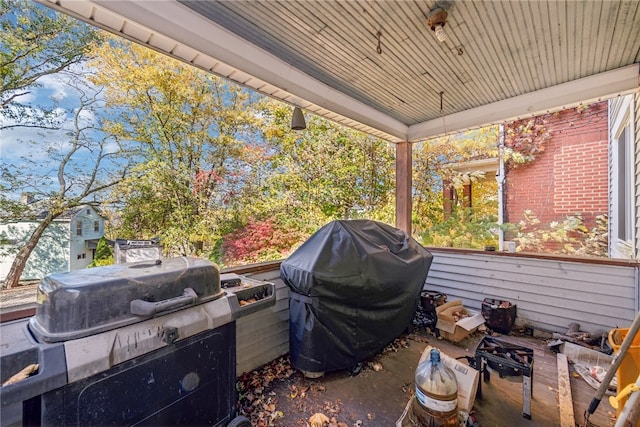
{"points": [[303, 392], [23, 374], [318, 420], [376, 366]]}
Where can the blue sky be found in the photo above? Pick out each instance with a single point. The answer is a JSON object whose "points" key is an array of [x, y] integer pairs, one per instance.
{"points": [[13, 141]]}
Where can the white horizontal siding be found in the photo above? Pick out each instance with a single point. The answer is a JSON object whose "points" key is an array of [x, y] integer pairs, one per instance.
{"points": [[264, 335], [549, 294]]}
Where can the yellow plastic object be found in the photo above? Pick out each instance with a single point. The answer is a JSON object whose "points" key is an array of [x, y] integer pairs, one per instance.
{"points": [[615, 400], [629, 368]]}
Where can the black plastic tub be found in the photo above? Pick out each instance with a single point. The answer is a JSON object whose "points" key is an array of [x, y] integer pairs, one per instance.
{"points": [[499, 315]]}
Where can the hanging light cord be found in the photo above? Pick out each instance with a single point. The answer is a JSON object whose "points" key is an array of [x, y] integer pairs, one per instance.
{"points": [[444, 125]]}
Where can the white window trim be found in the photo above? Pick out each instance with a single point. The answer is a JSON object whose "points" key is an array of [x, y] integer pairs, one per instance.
{"points": [[623, 248]]}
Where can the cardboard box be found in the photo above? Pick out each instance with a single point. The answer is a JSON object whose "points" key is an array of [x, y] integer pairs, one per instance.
{"points": [[453, 330], [466, 376]]}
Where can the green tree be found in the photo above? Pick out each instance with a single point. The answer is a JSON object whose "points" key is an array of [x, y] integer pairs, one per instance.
{"points": [[103, 255], [437, 162], [304, 180], [195, 135], [329, 171], [36, 42]]}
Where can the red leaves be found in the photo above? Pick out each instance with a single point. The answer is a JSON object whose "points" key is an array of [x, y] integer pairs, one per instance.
{"points": [[258, 241], [204, 179], [528, 138]]}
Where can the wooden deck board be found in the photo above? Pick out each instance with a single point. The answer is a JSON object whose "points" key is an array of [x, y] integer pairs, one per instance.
{"points": [[379, 398], [567, 418]]}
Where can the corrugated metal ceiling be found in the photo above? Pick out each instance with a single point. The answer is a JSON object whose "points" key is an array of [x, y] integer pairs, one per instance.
{"points": [[495, 51]]}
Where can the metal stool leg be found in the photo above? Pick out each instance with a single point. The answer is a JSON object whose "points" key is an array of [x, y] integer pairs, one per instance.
{"points": [[527, 391]]}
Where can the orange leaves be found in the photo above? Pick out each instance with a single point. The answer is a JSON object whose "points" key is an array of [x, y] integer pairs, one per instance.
{"points": [[254, 401]]}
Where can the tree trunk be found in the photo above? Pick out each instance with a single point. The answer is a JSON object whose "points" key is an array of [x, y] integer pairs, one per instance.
{"points": [[20, 261]]}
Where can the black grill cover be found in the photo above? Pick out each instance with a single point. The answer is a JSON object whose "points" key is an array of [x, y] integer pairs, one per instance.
{"points": [[355, 286]]}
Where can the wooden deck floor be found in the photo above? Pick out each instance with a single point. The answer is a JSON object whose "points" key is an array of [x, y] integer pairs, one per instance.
{"points": [[378, 398]]}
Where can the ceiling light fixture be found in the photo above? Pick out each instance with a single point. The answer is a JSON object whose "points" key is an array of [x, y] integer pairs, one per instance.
{"points": [[436, 20], [297, 120]]}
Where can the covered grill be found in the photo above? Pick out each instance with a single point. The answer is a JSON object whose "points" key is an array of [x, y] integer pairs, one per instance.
{"points": [[144, 343], [354, 287]]}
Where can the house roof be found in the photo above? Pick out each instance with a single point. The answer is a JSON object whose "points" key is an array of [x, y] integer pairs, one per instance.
{"points": [[376, 65], [70, 213]]}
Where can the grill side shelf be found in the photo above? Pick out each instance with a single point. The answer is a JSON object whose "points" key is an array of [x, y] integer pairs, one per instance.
{"points": [[250, 296]]}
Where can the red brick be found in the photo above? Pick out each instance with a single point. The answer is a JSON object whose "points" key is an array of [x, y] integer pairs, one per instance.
{"points": [[570, 176]]}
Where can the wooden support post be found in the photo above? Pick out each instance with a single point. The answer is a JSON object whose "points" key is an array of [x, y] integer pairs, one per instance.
{"points": [[448, 198], [467, 195], [403, 186], [567, 418]]}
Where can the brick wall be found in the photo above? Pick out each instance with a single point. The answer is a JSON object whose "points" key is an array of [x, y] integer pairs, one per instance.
{"points": [[570, 176]]}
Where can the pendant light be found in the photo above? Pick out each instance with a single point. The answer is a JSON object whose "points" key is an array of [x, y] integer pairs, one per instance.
{"points": [[297, 121]]}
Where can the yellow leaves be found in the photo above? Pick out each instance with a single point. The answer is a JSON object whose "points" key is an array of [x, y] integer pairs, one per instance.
{"points": [[296, 391], [23, 374], [318, 420]]}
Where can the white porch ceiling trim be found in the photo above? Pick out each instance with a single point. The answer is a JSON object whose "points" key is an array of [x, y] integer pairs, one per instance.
{"points": [[174, 29], [583, 91]]}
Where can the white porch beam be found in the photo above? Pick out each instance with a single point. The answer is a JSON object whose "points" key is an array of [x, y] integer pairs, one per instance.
{"points": [[582, 91]]}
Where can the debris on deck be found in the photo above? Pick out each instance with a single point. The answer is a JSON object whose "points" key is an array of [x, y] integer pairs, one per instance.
{"points": [[455, 322], [590, 364], [576, 336]]}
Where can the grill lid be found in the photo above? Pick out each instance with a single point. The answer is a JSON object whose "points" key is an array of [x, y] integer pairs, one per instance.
{"points": [[85, 302]]}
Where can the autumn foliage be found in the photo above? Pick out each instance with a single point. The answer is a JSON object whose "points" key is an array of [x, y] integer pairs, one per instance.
{"points": [[257, 241]]}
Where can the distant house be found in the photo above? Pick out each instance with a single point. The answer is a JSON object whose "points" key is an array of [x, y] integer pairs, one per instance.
{"points": [[69, 243]]}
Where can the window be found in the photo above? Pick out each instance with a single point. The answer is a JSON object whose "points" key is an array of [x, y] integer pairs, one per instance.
{"points": [[623, 195], [79, 227], [96, 226], [88, 212], [622, 171]]}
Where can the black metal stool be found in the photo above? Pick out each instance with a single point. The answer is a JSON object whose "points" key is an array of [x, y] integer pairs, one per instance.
{"points": [[508, 360]]}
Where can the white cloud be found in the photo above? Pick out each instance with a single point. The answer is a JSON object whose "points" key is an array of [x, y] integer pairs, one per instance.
{"points": [[15, 142], [87, 117], [56, 85]]}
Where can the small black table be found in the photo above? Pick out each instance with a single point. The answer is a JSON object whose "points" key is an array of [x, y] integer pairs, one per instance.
{"points": [[508, 360]]}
